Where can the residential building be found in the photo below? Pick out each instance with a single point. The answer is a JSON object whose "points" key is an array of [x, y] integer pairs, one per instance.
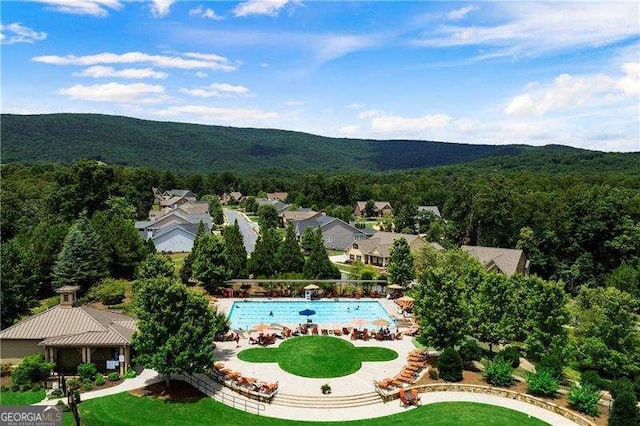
{"points": [[70, 335], [231, 198], [376, 250], [289, 216], [505, 261], [433, 209], [336, 233], [380, 209], [280, 196]]}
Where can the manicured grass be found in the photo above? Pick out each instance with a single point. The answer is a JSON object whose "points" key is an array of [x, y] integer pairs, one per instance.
{"points": [[318, 356], [178, 260], [125, 409], [21, 398]]}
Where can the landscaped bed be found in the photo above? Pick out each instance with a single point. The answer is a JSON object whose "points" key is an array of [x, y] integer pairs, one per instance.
{"points": [[318, 356], [163, 411]]}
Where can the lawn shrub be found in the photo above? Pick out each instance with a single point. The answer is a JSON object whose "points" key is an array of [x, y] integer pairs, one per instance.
{"points": [[87, 371], [87, 385], [450, 365], [65, 407], [584, 399], [130, 374], [593, 378], [554, 364], [499, 372], [624, 411], [73, 384], [113, 377], [110, 291], [470, 351], [511, 354], [99, 379], [56, 393], [33, 368], [542, 383]]}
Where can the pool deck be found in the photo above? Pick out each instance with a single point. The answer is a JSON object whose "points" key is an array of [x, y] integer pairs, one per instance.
{"points": [[357, 383]]}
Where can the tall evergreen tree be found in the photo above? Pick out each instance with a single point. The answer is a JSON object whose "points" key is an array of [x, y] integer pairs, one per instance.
{"points": [[307, 240], [155, 266], [123, 248], [209, 264], [235, 253], [186, 272], [318, 266], [19, 291], [401, 268], [290, 258], [263, 260], [175, 328], [80, 262]]}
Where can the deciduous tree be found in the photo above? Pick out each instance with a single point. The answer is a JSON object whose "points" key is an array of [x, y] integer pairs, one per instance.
{"points": [[401, 267]]}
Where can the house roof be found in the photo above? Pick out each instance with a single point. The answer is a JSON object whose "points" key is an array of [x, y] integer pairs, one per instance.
{"points": [[505, 260], [433, 209], [82, 325], [195, 207], [189, 228], [380, 243], [378, 205], [277, 195], [179, 193], [279, 205], [299, 214], [173, 200]]}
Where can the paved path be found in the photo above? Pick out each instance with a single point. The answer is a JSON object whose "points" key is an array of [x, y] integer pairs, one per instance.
{"points": [[248, 228]]}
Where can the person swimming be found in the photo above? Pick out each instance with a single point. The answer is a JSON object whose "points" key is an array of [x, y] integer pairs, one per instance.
{"points": [[271, 313]]}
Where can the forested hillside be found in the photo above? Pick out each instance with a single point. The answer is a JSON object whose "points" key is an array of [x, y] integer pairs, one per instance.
{"points": [[198, 148]]}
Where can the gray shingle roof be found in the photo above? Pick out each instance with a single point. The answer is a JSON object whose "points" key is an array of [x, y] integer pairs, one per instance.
{"points": [[82, 325], [433, 209], [191, 228], [381, 242], [506, 260]]}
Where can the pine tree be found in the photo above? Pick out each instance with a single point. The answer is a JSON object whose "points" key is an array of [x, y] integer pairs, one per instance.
{"points": [[290, 258], [235, 253], [307, 240], [80, 262], [318, 266], [155, 266], [19, 289], [401, 268], [215, 209], [263, 260]]}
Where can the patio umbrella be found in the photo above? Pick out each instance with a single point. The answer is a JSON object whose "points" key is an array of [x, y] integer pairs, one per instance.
{"points": [[395, 287], [405, 299], [380, 322], [360, 322], [262, 327], [307, 312], [311, 287]]}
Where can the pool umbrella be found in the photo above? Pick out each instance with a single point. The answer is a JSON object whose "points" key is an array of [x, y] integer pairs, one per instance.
{"points": [[262, 327], [311, 287], [405, 299], [380, 322], [360, 322], [307, 312], [395, 287]]}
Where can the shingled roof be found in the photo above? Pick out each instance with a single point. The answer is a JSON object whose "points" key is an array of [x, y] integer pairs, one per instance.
{"points": [[495, 259], [82, 325]]}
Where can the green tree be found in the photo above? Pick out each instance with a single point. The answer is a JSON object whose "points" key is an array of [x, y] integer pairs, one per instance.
{"points": [[263, 260], [401, 266], [155, 266], [175, 328], [441, 310], [545, 315], [268, 216], [626, 277], [235, 253], [251, 205], [307, 239], [215, 209], [494, 308], [290, 258], [450, 365], [209, 264], [318, 266], [369, 209], [19, 290], [606, 333], [405, 219], [80, 262], [624, 411]]}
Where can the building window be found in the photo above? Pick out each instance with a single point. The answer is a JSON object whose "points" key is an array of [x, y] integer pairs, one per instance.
{"points": [[65, 297], [328, 239], [355, 246]]}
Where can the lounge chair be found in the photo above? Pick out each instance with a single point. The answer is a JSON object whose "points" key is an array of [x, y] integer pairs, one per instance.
{"points": [[365, 334], [314, 331], [354, 335], [324, 332], [345, 331], [399, 335], [337, 332], [415, 398], [404, 402]]}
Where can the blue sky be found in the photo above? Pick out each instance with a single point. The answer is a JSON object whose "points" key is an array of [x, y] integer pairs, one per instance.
{"points": [[485, 72]]}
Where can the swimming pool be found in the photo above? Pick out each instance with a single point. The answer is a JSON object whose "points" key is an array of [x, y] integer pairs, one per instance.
{"points": [[245, 315]]}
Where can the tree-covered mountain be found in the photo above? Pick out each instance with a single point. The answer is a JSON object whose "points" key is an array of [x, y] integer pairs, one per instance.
{"points": [[199, 148]]}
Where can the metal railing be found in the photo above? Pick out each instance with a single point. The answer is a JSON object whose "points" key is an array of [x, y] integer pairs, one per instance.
{"points": [[219, 395]]}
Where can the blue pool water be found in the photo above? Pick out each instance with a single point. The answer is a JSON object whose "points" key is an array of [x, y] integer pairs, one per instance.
{"points": [[245, 315]]}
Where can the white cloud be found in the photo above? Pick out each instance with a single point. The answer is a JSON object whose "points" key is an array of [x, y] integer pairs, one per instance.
{"points": [[573, 92], [115, 92], [456, 15], [532, 29], [212, 114], [200, 60], [220, 90], [335, 46], [355, 105], [201, 74], [260, 7], [83, 7], [205, 13], [99, 71], [18, 33], [160, 8], [370, 113]]}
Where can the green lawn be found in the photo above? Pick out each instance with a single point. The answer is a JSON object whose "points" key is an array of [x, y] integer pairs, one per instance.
{"points": [[21, 398], [125, 409], [318, 356]]}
